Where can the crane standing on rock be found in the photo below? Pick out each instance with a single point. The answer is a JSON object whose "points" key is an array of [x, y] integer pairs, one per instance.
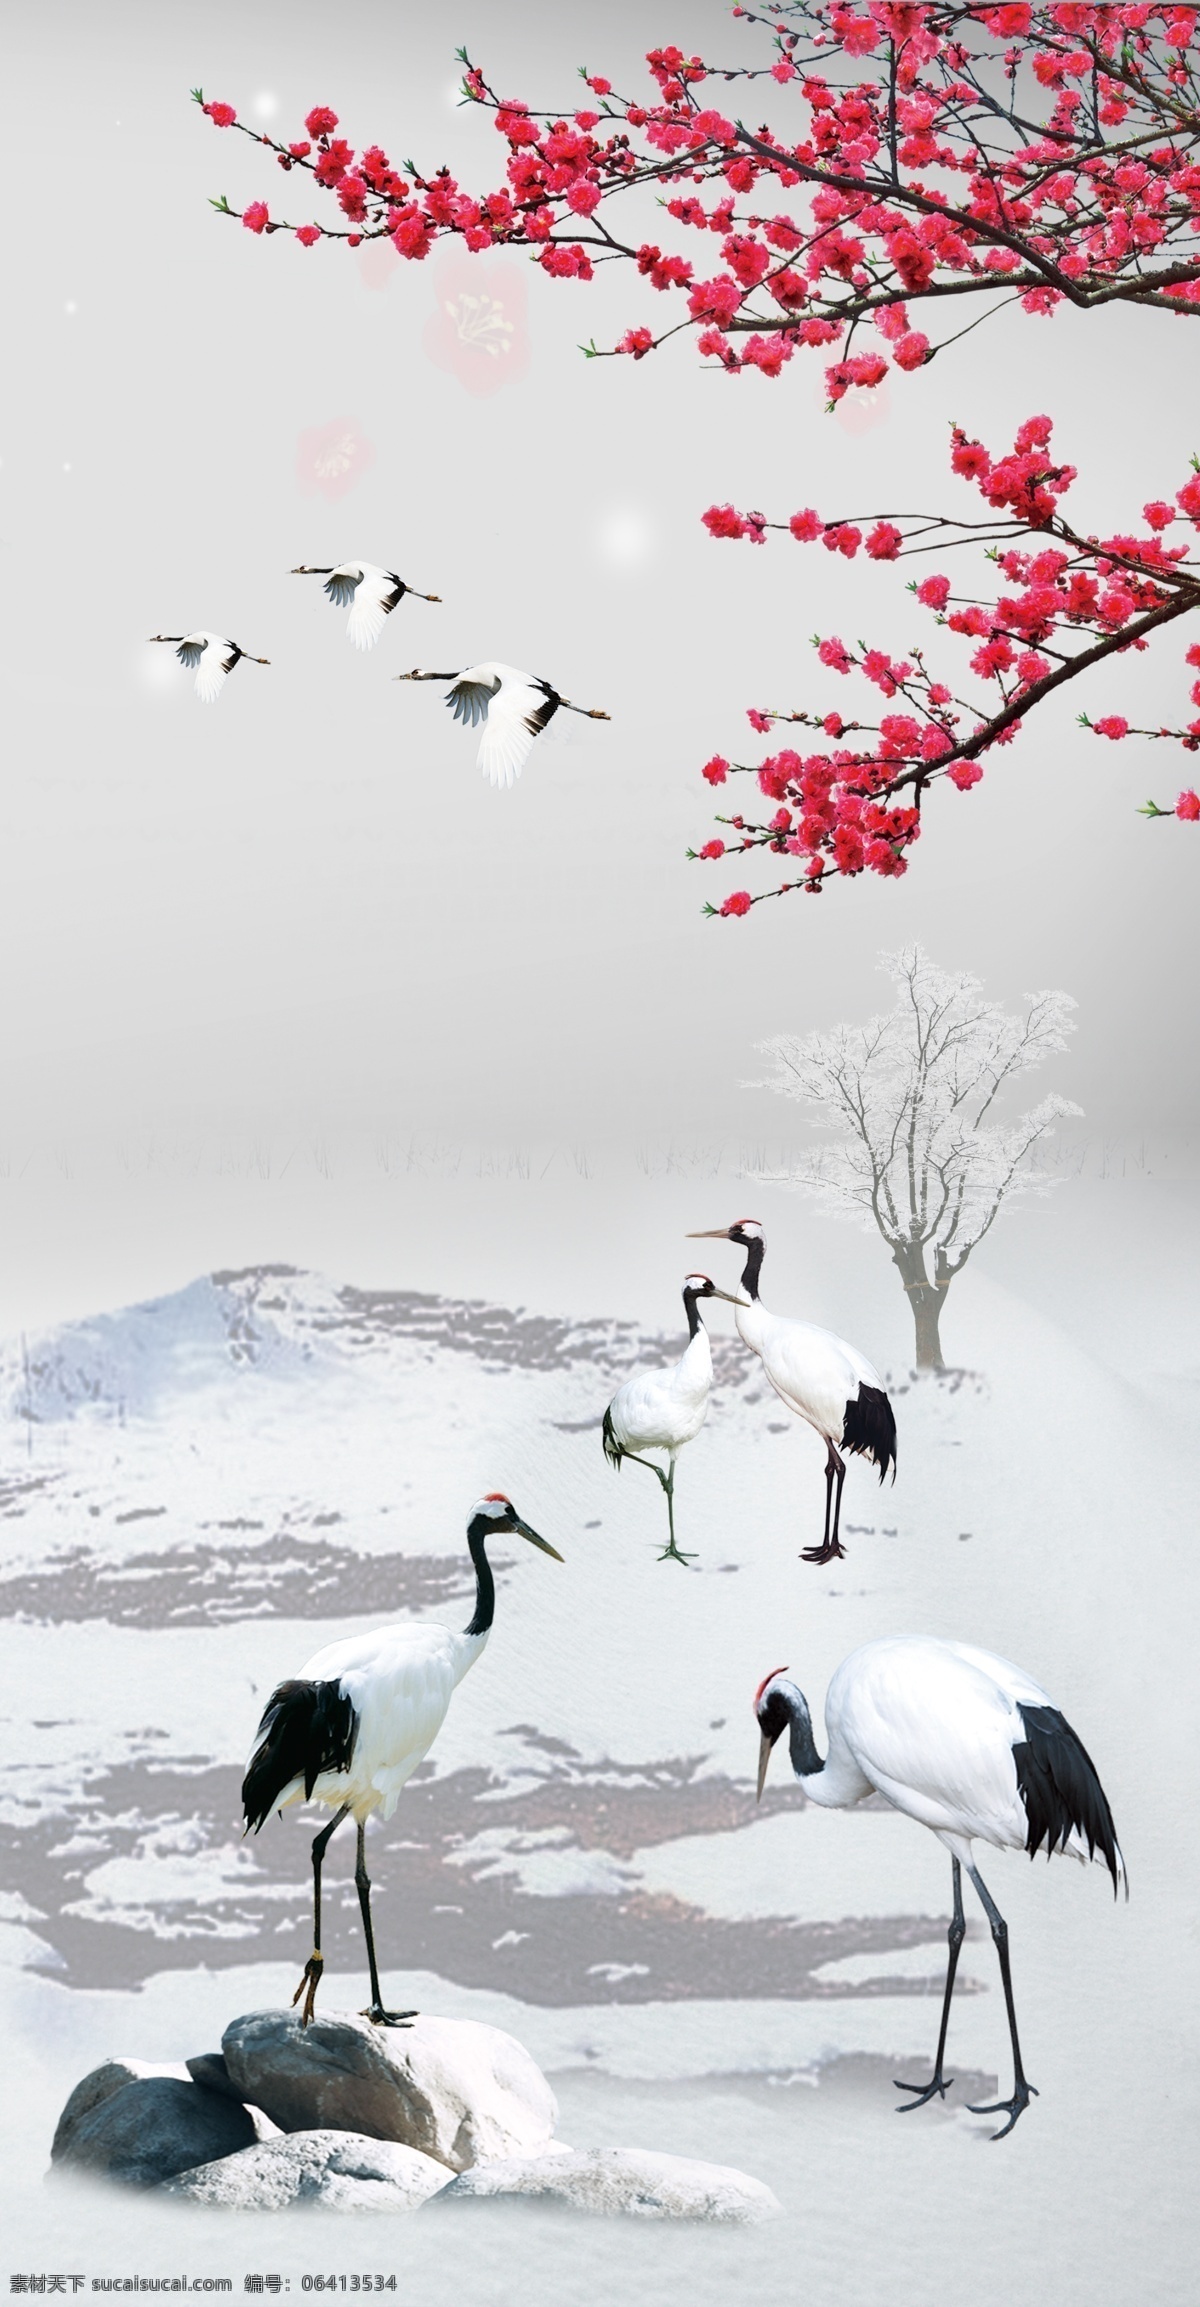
{"points": [[825, 1381], [352, 1728]]}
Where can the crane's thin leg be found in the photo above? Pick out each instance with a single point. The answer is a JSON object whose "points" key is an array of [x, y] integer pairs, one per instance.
{"points": [[311, 1978], [648, 1463], [830, 1549], [671, 1553], [1023, 2092], [838, 1547], [956, 1934], [362, 1882]]}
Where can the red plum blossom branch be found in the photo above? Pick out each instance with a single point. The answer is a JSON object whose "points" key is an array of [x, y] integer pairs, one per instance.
{"points": [[923, 155], [1066, 603]]}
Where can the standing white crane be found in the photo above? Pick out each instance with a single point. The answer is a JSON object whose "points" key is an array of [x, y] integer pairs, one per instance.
{"points": [[351, 1729], [970, 1747], [209, 657], [513, 707], [824, 1380], [370, 593], [663, 1409]]}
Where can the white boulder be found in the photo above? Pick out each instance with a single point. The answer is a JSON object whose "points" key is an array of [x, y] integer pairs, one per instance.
{"points": [[628, 2182], [341, 2170]]}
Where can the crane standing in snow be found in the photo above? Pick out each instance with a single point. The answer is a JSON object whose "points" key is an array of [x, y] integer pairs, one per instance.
{"points": [[370, 593], [351, 1729], [663, 1409], [513, 707], [970, 1747], [824, 1380], [209, 657]]}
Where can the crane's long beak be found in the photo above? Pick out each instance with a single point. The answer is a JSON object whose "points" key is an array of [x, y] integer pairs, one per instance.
{"points": [[729, 1296], [764, 1756], [709, 1234], [534, 1540]]}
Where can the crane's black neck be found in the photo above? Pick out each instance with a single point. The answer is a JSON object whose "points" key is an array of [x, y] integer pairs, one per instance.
{"points": [[786, 1704], [485, 1585], [694, 1323], [753, 1267]]}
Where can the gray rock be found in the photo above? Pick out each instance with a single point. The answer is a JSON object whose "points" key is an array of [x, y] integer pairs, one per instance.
{"points": [[341, 2170], [210, 2071], [99, 2085], [623, 2181], [149, 2129], [452, 2088]]}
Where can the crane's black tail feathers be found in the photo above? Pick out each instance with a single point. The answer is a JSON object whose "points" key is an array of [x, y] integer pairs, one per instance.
{"points": [[870, 1428], [307, 1727], [1061, 1791], [612, 1448]]}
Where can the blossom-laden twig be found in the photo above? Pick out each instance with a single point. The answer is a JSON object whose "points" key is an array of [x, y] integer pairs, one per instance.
{"points": [[924, 154], [1066, 603]]}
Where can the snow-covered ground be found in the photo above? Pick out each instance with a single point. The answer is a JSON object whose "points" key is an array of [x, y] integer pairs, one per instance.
{"points": [[200, 1490]]}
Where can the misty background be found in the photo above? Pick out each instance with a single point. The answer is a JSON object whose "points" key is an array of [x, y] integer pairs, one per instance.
{"points": [[288, 982]]}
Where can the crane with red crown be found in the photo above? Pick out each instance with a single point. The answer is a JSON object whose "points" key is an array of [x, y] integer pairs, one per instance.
{"points": [[352, 1727]]}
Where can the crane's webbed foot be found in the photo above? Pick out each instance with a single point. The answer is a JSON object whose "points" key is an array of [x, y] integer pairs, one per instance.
{"points": [[384, 2018], [1023, 2092], [671, 1553], [940, 2084], [831, 1551], [310, 1981]]}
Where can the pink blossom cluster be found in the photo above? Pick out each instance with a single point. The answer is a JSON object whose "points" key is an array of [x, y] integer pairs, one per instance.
{"points": [[1062, 599]]}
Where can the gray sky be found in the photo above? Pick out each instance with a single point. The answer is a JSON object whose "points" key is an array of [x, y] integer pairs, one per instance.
{"points": [[305, 903]]}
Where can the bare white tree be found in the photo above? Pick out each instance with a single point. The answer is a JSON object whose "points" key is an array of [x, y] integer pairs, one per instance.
{"points": [[921, 1152]]}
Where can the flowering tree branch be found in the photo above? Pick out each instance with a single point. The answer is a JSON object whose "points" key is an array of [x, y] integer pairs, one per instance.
{"points": [[919, 176], [1036, 155], [839, 811]]}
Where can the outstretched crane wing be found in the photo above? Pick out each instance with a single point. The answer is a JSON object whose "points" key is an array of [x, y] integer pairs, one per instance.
{"points": [[470, 698], [374, 597], [513, 720]]}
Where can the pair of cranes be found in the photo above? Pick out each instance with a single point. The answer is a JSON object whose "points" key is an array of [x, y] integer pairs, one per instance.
{"points": [[822, 1380], [511, 707], [963, 1742]]}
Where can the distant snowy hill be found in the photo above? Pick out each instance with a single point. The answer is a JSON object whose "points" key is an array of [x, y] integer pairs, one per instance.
{"points": [[279, 1323]]}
